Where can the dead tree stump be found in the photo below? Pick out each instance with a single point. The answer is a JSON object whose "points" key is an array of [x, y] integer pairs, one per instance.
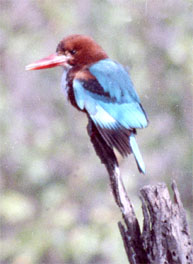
{"points": [[165, 238]]}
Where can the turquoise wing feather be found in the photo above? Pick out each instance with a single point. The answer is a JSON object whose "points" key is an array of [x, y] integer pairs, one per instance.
{"points": [[119, 105]]}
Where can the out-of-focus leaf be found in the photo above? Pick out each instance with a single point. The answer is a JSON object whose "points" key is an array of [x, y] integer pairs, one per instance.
{"points": [[15, 207]]}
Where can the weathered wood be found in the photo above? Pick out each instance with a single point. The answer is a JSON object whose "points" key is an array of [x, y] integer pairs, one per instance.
{"points": [[165, 238]]}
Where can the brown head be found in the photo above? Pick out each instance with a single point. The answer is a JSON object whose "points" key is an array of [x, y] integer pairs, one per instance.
{"points": [[74, 50]]}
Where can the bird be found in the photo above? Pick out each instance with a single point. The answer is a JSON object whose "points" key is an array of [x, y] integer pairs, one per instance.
{"points": [[102, 89]]}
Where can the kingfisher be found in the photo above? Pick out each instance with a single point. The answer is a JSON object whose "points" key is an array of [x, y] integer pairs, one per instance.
{"points": [[102, 89]]}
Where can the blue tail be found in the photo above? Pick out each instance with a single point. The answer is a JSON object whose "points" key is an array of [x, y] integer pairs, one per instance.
{"points": [[137, 154]]}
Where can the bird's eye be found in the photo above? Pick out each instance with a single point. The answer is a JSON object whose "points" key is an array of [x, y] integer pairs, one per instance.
{"points": [[72, 52]]}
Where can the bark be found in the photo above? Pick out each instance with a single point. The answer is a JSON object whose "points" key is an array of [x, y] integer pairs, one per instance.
{"points": [[165, 237]]}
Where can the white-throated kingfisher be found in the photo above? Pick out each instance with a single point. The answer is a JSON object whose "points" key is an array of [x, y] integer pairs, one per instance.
{"points": [[103, 90]]}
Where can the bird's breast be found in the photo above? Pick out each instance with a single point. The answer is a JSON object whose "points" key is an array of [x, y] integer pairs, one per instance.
{"points": [[64, 83], [67, 87]]}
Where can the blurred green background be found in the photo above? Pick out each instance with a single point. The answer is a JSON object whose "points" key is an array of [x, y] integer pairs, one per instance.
{"points": [[56, 206]]}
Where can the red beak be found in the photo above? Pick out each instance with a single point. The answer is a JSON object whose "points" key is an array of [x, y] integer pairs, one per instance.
{"points": [[48, 62]]}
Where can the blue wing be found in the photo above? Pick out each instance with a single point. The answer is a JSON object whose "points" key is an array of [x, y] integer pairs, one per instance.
{"points": [[108, 96], [113, 102], [115, 80]]}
